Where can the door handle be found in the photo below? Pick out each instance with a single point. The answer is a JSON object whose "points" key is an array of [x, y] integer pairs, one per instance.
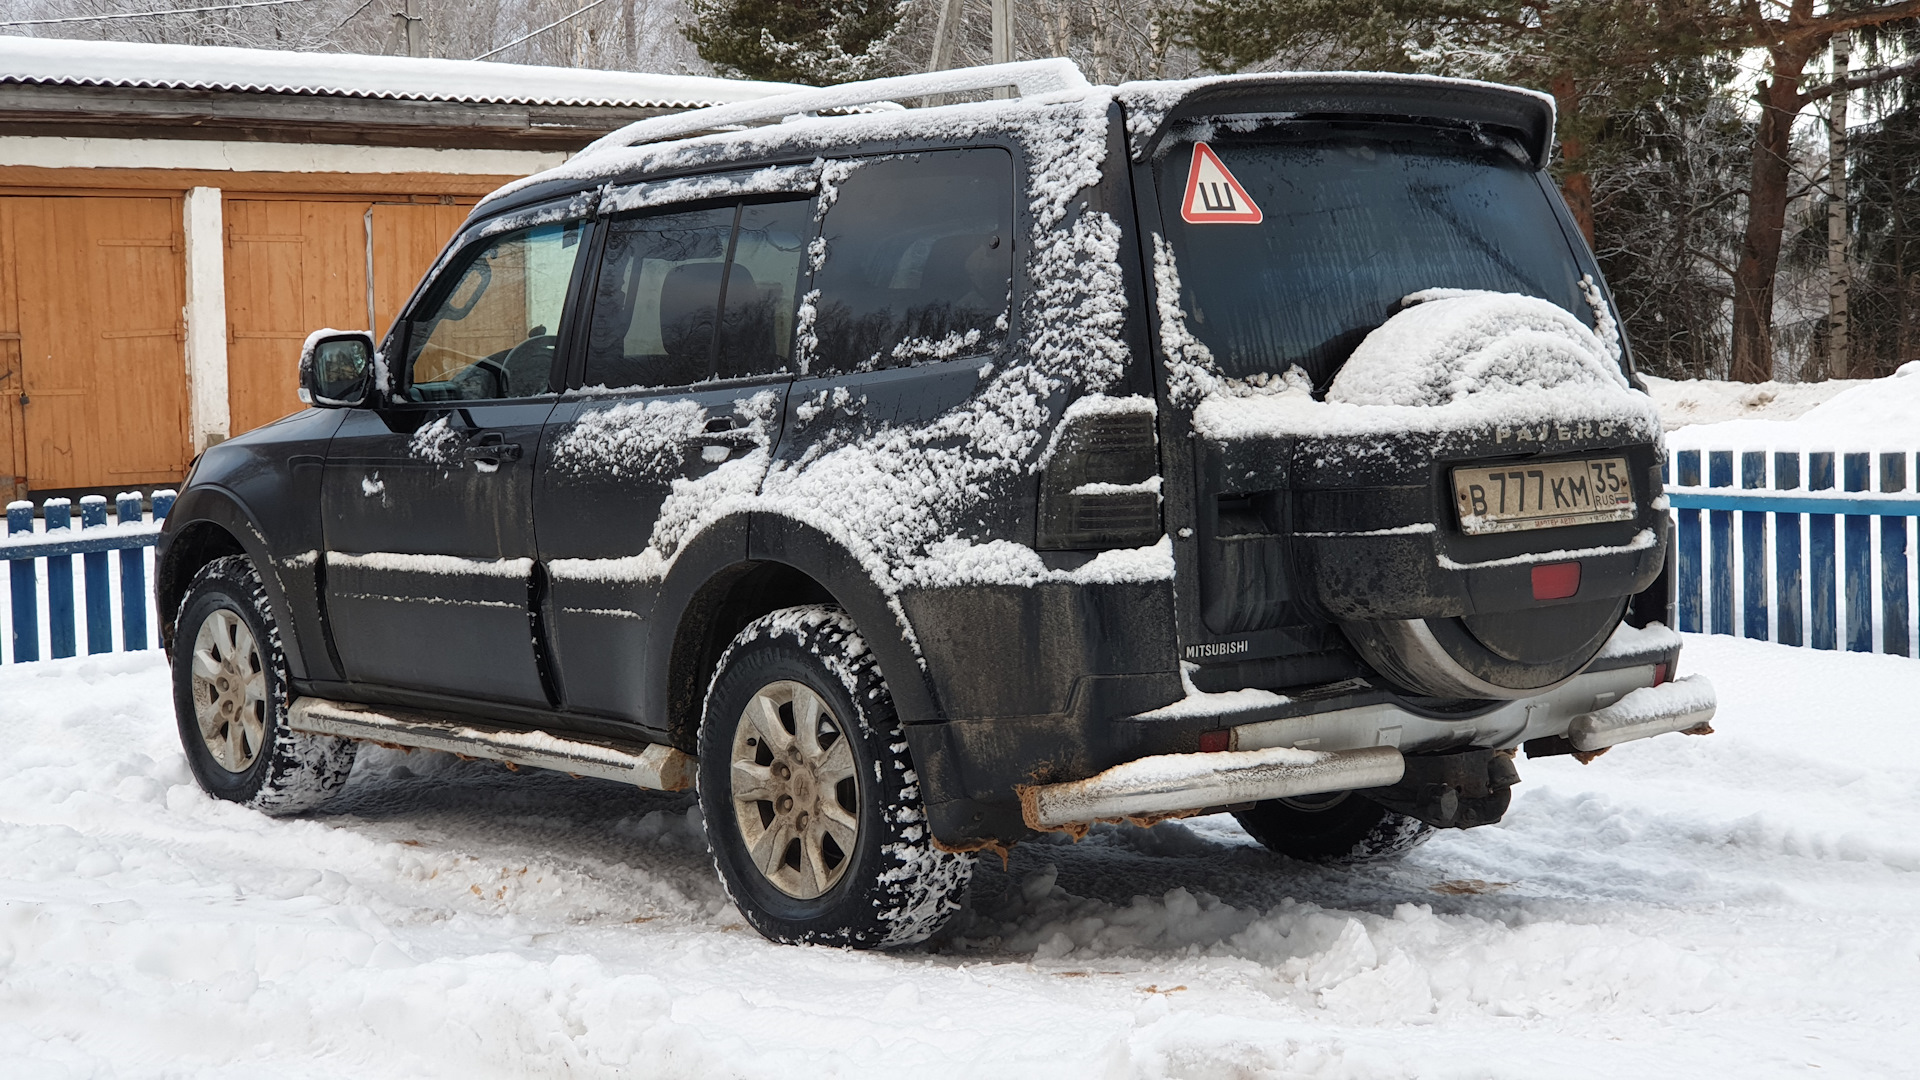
{"points": [[491, 452], [723, 431]]}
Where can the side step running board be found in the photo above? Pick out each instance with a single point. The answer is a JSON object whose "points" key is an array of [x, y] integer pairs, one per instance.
{"points": [[1171, 785], [656, 767]]}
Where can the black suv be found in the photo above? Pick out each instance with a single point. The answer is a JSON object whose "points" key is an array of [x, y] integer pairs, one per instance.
{"points": [[917, 479]]}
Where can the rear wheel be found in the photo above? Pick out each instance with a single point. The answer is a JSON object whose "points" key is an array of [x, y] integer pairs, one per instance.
{"points": [[230, 699], [812, 807], [1339, 828]]}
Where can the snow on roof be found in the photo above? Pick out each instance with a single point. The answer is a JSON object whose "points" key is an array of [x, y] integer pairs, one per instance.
{"points": [[197, 67]]}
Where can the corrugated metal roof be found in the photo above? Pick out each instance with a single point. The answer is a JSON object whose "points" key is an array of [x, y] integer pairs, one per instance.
{"points": [[57, 61]]}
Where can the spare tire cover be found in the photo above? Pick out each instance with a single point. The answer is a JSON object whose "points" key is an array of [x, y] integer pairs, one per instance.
{"points": [[1508, 654]]}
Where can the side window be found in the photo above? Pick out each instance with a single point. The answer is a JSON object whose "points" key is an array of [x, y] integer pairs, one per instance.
{"points": [[664, 278], [654, 303], [492, 334], [756, 336], [919, 261]]}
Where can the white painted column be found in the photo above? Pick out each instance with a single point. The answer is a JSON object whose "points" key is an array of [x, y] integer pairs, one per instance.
{"points": [[206, 317]]}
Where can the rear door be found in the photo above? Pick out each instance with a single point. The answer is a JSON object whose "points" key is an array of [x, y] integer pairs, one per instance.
{"points": [[430, 577], [685, 372]]}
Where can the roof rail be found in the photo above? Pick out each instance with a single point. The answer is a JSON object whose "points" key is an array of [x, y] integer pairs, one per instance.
{"points": [[1027, 78]]}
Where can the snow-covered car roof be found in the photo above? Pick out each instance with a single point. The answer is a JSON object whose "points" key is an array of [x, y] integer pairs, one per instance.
{"points": [[52, 61]]}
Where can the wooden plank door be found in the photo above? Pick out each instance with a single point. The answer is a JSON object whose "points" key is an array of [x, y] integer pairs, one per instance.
{"points": [[101, 283], [13, 431], [407, 238], [292, 267]]}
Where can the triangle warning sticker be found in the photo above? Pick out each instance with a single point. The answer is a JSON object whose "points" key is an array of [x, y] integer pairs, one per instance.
{"points": [[1214, 197]]}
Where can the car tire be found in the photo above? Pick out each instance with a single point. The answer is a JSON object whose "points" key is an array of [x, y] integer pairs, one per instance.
{"points": [[230, 697], [1343, 828], [812, 807]]}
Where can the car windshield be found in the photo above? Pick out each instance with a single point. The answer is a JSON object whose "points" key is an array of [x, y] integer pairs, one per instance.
{"points": [[1344, 221]]}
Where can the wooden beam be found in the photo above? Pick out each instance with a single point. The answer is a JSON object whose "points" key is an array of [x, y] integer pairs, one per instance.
{"points": [[143, 112], [34, 180]]}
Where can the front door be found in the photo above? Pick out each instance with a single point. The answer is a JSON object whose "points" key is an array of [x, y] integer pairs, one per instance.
{"points": [[431, 582], [686, 368]]}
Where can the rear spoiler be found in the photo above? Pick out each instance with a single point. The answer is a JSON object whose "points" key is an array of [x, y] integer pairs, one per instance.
{"points": [[1526, 115]]}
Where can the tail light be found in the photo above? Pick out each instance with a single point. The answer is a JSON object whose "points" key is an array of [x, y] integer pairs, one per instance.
{"points": [[1100, 488]]}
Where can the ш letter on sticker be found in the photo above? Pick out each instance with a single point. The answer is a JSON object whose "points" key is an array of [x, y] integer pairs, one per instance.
{"points": [[1214, 197]]}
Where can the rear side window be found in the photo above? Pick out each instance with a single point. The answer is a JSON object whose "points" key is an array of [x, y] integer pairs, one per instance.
{"points": [[682, 298], [492, 334], [918, 261]]}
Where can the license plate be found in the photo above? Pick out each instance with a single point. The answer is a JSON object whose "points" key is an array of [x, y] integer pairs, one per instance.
{"points": [[1543, 495]]}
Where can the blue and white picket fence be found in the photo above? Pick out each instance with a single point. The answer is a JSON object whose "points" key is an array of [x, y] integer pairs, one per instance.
{"points": [[1814, 564], [23, 548]]}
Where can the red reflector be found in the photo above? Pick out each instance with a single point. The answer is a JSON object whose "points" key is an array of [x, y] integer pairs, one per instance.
{"points": [[1212, 742], [1556, 581], [1659, 674]]}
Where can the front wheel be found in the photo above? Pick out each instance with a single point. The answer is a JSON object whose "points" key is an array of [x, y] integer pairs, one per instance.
{"points": [[812, 807], [1339, 828], [230, 699]]}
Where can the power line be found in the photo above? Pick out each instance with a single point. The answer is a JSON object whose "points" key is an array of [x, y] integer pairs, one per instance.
{"points": [[542, 30], [149, 14]]}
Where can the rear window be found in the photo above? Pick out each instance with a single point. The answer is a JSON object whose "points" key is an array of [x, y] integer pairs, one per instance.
{"points": [[1352, 219]]}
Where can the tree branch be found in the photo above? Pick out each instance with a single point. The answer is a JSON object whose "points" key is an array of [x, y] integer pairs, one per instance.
{"points": [[1869, 77]]}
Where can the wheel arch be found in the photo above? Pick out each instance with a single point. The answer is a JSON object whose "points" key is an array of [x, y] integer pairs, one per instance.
{"points": [[711, 597], [208, 523]]}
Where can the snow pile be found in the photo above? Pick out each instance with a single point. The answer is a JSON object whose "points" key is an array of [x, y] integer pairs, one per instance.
{"points": [[1877, 414], [1684, 402], [1453, 360], [1741, 904]]}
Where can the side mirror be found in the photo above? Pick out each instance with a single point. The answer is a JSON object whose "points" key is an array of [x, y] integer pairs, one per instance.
{"points": [[336, 369]]}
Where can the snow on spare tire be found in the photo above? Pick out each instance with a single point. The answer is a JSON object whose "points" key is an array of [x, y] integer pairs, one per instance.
{"points": [[1460, 348]]}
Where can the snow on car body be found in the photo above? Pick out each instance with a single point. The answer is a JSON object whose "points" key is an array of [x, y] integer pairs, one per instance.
{"points": [[940, 475]]}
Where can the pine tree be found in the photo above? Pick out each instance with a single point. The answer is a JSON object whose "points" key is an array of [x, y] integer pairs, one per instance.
{"points": [[817, 42]]}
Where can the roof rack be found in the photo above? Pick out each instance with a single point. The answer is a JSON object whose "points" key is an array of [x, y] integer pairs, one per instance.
{"points": [[1026, 78]]}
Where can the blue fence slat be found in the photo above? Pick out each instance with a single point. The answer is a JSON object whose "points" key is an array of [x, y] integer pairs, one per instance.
{"points": [[1893, 562], [1753, 551], [1786, 554], [1720, 539], [1820, 558], [133, 577], [1856, 470], [93, 515], [60, 638], [25, 589], [1687, 466]]}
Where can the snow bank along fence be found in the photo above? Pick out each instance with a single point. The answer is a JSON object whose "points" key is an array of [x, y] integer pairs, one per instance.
{"points": [[129, 534], [1813, 561]]}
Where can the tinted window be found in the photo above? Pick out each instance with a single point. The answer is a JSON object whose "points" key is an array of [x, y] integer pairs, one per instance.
{"points": [[654, 302], [919, 261], [492, 333], [756, 336], [663, 277], [1352, 221]]}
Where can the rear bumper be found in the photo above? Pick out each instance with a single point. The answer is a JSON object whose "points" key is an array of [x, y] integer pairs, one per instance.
{"points": [[1365, 747]]}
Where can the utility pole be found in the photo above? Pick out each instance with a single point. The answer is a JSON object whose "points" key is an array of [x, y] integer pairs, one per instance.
{"points": [[1838, 362], [1003, 31], [943, 34], [411, 28]]}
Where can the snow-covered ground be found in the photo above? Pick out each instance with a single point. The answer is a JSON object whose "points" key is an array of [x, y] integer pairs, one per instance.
{"points": [[1684, 402], [1746, 904]]}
